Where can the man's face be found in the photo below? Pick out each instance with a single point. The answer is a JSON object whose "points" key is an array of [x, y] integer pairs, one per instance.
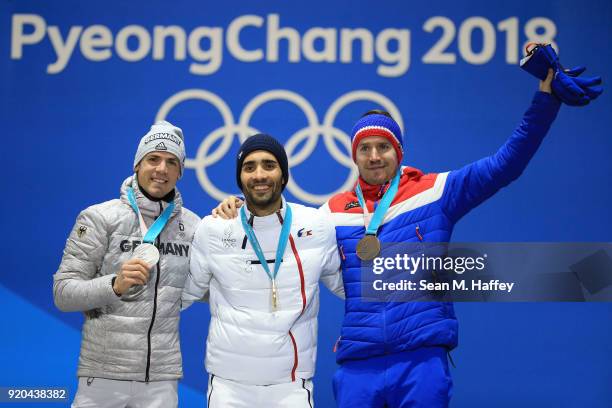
{"points": [[376, 160], [262, 179], [158, 173]]}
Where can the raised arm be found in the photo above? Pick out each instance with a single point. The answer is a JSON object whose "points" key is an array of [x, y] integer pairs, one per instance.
{"points": [[471, 185]]}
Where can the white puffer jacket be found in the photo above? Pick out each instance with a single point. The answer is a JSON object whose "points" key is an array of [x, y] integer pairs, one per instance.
{"points": [[247, 341]]}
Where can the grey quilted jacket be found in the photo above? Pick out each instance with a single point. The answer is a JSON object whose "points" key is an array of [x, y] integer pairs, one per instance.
{"points": [[136, 336]]}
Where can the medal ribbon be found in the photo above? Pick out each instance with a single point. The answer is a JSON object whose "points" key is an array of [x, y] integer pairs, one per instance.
{"points": [[149, 234], [282, 242], [381, 209]]}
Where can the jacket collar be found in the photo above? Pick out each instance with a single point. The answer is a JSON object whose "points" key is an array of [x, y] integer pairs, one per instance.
{"points": [[266, 220], [148, 208], [374, 192]]}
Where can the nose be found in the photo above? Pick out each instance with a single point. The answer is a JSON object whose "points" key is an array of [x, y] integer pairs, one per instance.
{"points": [[260, 173], [162, 167], [374, 154]]}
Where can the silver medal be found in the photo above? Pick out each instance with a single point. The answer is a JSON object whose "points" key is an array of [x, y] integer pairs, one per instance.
{"points": [[148, 253]]}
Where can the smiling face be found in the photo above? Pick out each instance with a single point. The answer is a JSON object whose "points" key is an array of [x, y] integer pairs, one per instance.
{"points": [[158, 173], [262, 182], [376, 160]]}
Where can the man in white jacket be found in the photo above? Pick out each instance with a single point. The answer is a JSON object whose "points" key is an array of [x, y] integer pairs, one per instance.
{"points": [[262, 271]]}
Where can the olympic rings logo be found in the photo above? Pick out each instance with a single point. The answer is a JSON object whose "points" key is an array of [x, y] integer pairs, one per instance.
{"points": [[205, 158]]}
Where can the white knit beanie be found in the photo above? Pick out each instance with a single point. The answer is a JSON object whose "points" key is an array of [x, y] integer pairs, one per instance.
{"points": [[163, 137]]}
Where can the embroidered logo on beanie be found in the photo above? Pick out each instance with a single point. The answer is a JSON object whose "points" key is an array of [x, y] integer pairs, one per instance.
{"points": [[163, 136]]}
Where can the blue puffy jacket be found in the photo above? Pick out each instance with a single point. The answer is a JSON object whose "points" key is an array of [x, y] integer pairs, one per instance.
{"points": [[426, 208]]}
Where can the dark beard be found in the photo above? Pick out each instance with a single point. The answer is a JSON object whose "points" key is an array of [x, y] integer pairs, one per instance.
{"points": [[262, 204]]}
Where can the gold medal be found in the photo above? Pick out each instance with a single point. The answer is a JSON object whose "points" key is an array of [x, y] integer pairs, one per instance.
{"points": [[274, 296], [368, 248]]}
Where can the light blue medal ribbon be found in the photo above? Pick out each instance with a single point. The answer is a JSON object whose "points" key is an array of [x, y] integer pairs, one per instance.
{"points": [[158, 225], [382, 207], [368, 247], [280, 249]]}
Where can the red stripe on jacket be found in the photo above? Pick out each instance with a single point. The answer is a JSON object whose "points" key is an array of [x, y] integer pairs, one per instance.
{"points": [[412, 182]]}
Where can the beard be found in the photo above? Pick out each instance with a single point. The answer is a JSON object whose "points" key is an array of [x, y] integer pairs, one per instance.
{"points": [[263, 201]]}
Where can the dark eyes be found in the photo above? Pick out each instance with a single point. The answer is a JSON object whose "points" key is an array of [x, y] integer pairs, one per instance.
{"points": [[156, 160], [381, 147], [266, 166]]}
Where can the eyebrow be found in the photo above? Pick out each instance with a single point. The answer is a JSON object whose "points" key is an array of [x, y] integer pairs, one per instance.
{"points": [[382, 142], [157, 156], [265, 161]]}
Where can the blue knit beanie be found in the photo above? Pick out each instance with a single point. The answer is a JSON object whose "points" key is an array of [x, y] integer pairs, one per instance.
{"points": [[378, 125], [265, 142]]}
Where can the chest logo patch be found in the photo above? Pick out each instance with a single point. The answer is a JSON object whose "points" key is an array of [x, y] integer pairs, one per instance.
{"points": [[228, 239], [352, 204], [304, 233], [81, 231]]}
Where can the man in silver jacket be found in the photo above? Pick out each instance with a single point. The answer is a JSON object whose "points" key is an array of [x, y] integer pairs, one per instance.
{"points": [[130, 351]]}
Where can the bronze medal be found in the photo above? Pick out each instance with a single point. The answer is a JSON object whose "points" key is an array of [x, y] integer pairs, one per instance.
{"points": [[368, 248]]}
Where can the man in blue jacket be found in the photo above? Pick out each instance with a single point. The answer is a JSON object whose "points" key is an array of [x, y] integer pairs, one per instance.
{"points": [[390, 353]]}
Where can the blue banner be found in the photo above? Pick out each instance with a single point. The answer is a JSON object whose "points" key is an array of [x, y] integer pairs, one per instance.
{"points": [[83, 82]]}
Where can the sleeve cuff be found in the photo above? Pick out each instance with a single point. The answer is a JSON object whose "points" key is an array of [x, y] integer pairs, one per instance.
{"points": [[547, 99], [545, 104], [106, 289]]}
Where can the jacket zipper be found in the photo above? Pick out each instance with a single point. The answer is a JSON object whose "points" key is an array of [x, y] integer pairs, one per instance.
{"points": [[384, 306], [157, 240]]}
